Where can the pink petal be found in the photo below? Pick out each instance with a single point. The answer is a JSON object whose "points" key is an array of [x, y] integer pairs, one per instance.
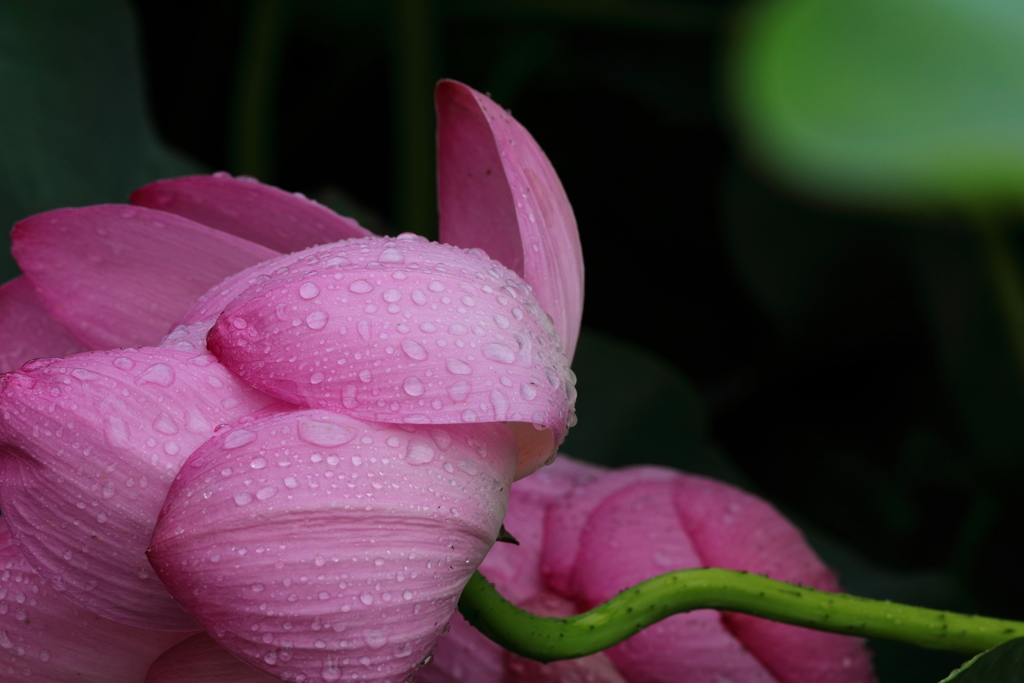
{"points": [[403, 330], [465, 655], [47, 639], [515, 570], [121, 275], [89, 445], [310, 543], [735, 530], [27, 331], [563, 530], [279, 220], [498, 191], [200, 659], [635, 535]]}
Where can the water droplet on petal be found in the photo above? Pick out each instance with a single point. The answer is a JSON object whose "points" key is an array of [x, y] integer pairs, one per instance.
{"points": [[165, 424], [159, 374], [360, 287], [435, 286], [391, 255], [391, 295], [413, 386], [419, 452], [499, 353], [457, 366], [238, 438], [366, 598], [243, 498], [316, 320], [309, 290], [414, 349], [325, 433], [459, 391], [266, 492], [316, 378]]}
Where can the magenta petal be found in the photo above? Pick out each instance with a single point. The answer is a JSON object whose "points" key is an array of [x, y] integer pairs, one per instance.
{"points": [[498, 191], [27, 331], [563, 530], [465, 655], [199, 659], [403, 330], [121, 275], [47, 639], [89, 445], [638, 527], [279, 220], [735, 530], [309, 543]]}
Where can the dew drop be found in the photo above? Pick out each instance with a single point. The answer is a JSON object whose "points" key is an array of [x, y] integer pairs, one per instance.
{"points": [[419, 298], [499, 353], [258, 463], [435, 286], [459, 391], [316, 378], [391, 295], [419, 452], [414, 349], [243, 498], [457, 367], [316, 320], [360, 287], [160, 374], [325, 433], [165, 424], [309, 290], [366, 598], [391, 255], [238, 438], [413, 386]]}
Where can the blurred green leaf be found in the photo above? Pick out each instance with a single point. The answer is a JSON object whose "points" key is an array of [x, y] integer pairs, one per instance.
{"points": [[1003, 664], [891, 102], [634, 407], [73, 128]]}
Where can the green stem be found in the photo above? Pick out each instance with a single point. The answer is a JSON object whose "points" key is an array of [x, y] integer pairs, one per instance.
{"points": [[1007, 281], [636, 608], [256, 88]]}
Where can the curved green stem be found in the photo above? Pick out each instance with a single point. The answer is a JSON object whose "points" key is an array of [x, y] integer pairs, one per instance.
{"points": [[636, 608]]}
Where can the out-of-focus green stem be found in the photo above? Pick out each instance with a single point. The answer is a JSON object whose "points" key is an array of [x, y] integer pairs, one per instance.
{"points": [[414, 75], [636, 608], [256, 87], [1007, 281]]}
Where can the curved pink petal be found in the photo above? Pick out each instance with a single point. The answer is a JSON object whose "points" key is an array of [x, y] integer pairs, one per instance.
{"points": [[465, 655], [213, 302], [403, 330], [199, 659], [498, 191], [89, 445], [735, 530], [123, 275], [638, 527], [245, 207], [566, 521], [47, 639], [310, 543], [515, 570], [27, 331]]}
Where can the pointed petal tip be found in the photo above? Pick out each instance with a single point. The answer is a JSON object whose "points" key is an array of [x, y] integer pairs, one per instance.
{"points": [[498, 191]]}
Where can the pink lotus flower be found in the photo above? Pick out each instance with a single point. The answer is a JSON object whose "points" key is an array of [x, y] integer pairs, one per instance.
{"points": [[311, 451], [587, 533]]}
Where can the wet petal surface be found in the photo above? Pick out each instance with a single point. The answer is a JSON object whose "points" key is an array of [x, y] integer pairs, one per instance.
{"points": [[498, 191], [89, 445], [199, 659], [264, 214], [48, 639], [407, 331], [118, 275], [310, 543]]}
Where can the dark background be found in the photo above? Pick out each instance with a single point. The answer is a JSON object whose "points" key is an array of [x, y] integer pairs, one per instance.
{"points": [[849, 366]]}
